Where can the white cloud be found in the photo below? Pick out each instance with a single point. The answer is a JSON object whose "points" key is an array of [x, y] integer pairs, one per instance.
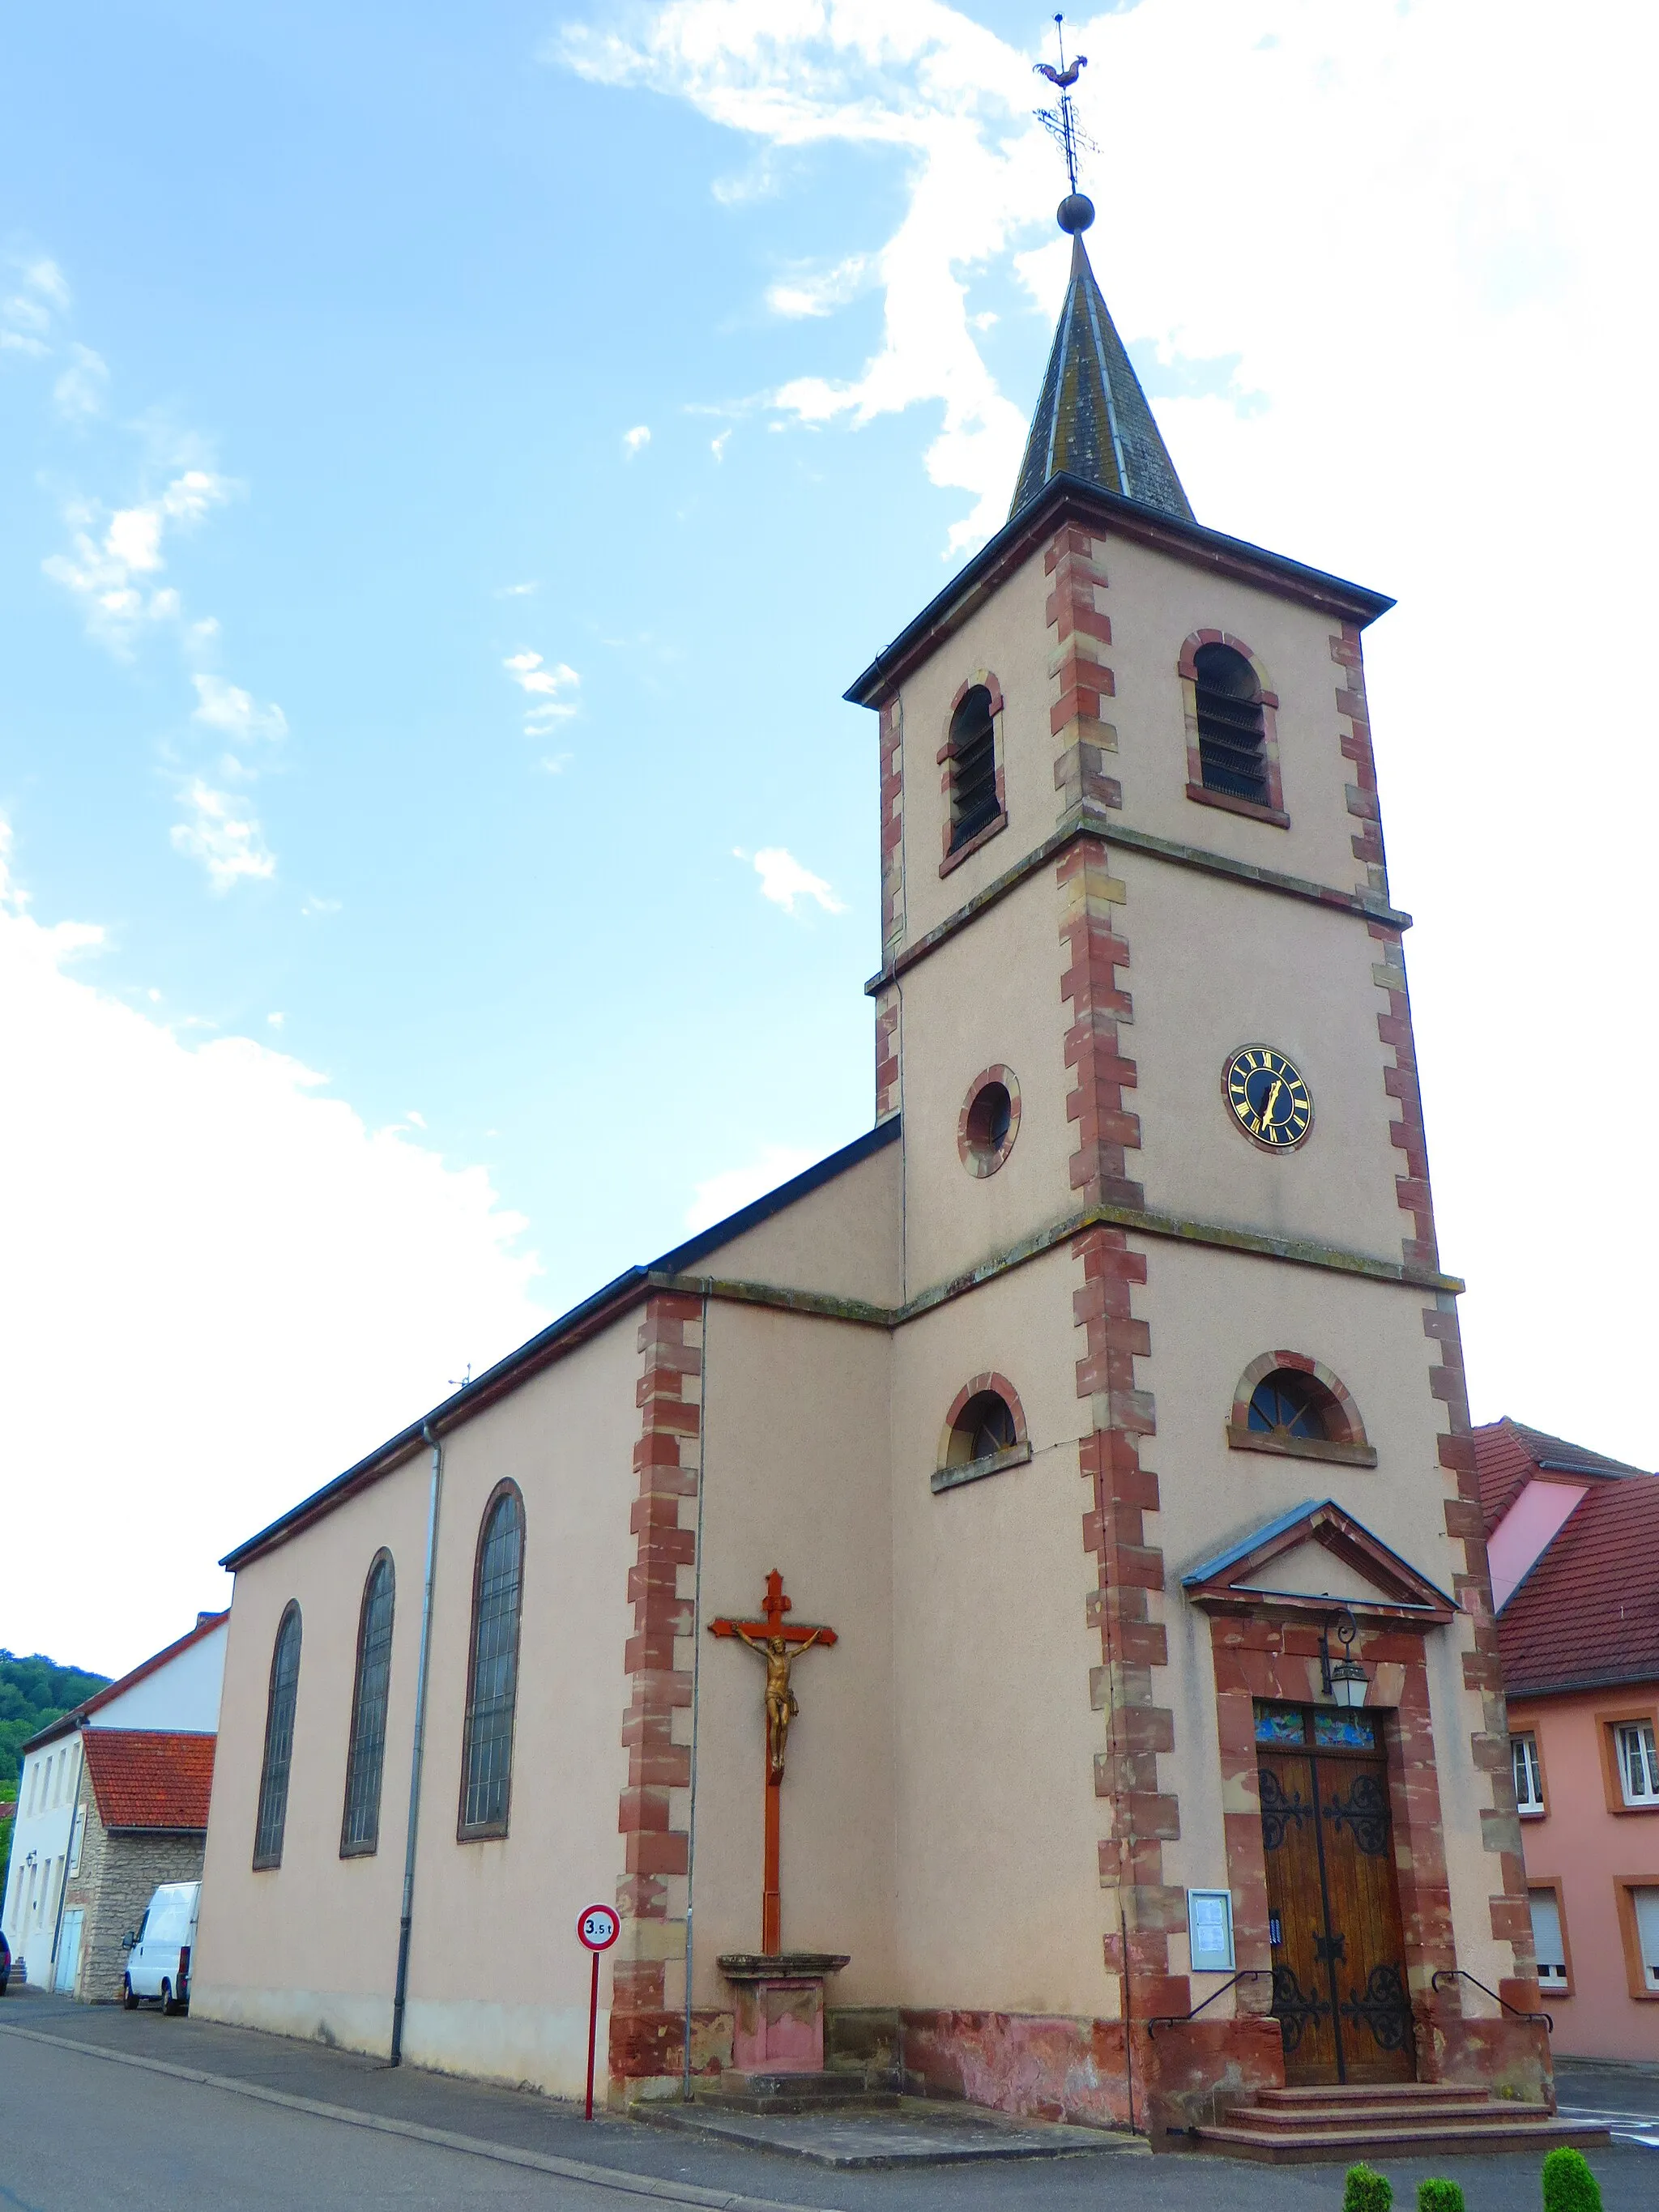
{"points": [[313, 905], [226, 708], [275, 1020], [917, 78], [43, 275], [722, 1195], [223, 835], [783, 880], [80, 391], [517, 591], [556, 763], [530, 673], [717, 446], [112, 561], [193, 1231], [819, 293], [633, 439]]}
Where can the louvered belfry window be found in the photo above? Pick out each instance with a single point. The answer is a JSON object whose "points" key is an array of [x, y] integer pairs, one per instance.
{"points": [[279, 1742], [360, 1830], [974, 801], [493, 1676], [1231, 726]]}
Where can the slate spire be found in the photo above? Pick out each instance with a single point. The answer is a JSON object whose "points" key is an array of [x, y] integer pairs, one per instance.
{"points": [[1092, 420]]}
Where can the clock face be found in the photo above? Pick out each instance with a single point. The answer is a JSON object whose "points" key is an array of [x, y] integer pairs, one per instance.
{"points": [[1267, 1097]]}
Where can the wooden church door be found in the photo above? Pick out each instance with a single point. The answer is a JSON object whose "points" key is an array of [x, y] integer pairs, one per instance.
{"points": [[1338, 1959]]}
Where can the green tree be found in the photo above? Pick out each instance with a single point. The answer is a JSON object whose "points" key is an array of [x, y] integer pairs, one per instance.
{"points": [[33, 1691]]}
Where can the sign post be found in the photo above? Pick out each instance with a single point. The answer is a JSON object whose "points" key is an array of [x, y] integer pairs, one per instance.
{"points": [[598, 1927]]}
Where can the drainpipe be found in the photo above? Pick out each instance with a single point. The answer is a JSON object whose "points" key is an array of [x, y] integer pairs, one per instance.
{"points": [[401, 1990]]}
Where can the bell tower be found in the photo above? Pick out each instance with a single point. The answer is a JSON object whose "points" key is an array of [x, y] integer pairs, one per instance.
{"points": [[1142, 1011]]}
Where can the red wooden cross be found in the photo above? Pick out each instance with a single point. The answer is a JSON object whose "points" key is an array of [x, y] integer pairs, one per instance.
{"points": [[778, 1644]]}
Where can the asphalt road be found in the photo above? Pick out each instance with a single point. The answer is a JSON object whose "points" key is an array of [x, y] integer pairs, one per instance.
{"points": [[83, 2133], [78, 2135]]}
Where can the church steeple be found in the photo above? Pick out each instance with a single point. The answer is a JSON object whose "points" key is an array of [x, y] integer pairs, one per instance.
{"points": [[1092, 420]]}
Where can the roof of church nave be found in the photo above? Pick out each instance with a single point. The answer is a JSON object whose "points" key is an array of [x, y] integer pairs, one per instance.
{"points": [[560, 1336], [1093, 419]]}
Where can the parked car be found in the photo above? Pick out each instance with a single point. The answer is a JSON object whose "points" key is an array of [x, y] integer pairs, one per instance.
{"points": [[158, 1950], [5, 1964]]}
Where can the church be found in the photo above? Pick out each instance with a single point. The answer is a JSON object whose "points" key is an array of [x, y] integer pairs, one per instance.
{"points": [[1006, 1614]]}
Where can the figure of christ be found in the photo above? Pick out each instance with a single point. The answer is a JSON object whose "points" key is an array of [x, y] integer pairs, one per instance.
{"points": [[781, 1705]]}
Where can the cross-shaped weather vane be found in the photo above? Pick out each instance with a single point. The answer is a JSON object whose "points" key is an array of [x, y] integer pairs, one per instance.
{"points": [[1060, 123]]}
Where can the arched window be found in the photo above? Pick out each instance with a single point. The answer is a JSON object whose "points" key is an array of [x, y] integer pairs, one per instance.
{"points": [[492, 1687], [279, 1742], [985, 1424], [975, 802], [1231, 725], [359, 1829], [1288, 1403], [984, 1432]]}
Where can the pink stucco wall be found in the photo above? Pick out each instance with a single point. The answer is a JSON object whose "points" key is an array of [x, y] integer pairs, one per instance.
{"points": [[1591, 1851]]}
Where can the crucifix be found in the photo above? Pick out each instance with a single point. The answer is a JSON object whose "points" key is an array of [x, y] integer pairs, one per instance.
{"points": [[779, 1645]]}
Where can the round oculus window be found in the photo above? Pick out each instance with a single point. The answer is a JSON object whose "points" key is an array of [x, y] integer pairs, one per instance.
{"points": [[989, 1120]]}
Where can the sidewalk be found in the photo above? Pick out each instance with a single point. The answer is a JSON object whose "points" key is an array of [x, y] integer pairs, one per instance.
{"points": [[666, 2164]]}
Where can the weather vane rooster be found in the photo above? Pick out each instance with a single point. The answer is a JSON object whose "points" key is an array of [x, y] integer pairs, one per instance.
{"points": [[1060, 123]]}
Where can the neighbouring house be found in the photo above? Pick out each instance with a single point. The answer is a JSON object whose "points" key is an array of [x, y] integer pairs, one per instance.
{"points": [[176, 1692], [144, 1816], [1572, 1542]]}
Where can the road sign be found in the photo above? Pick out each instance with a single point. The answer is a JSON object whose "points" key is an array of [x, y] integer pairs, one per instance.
{"points": [[598, 1927]]}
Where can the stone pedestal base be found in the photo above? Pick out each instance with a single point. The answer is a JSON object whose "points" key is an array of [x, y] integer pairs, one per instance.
{"points": [[778, 2010]]}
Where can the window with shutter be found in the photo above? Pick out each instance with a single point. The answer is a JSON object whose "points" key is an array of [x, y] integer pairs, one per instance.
{"points": [[1547, 1940], [974, 801], [1231, 725]]}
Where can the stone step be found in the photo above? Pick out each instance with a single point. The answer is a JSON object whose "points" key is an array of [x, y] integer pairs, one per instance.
{"points": [[1423, 2137], [1375, 2093], [875, 2089], [1277, 2124]]}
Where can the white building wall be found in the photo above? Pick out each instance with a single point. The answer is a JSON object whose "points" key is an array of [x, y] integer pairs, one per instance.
{"points": [[182, 1695], [40, 1854]]}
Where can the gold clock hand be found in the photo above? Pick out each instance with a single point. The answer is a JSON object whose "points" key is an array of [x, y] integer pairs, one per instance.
{"points": [[1267, 1114]]}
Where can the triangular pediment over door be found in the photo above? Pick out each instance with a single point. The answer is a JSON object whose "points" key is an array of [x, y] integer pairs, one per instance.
{"points": [[1312, 1558]]}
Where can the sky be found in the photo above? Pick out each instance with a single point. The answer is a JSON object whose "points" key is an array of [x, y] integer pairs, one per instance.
{"points": [[452, 462]]}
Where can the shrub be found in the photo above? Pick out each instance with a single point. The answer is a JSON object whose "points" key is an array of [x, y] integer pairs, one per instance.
{"points": [[1569, 2185], [1439, 2196], [1372, 2192]]}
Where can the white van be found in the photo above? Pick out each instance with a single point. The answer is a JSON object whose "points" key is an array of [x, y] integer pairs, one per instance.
{"points": [[158, 1950]]}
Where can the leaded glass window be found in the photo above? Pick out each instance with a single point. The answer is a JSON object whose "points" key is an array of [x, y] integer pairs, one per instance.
{"points": [[1279, 1724], [279, 1742], [360, 1830], [492, 1677], [1288, 1403], [1346, 1731]]}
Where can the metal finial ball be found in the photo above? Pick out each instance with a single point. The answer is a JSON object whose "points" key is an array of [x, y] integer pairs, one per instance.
{"points": [[1075, 212]]}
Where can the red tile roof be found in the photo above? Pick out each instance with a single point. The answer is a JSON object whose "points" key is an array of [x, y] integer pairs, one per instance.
{"points": [[149, 1777], [1588, 1613]]}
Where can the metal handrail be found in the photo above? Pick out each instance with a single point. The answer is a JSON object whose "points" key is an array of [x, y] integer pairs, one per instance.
{"points": [[1180, 2019], [1450, 1973]]}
